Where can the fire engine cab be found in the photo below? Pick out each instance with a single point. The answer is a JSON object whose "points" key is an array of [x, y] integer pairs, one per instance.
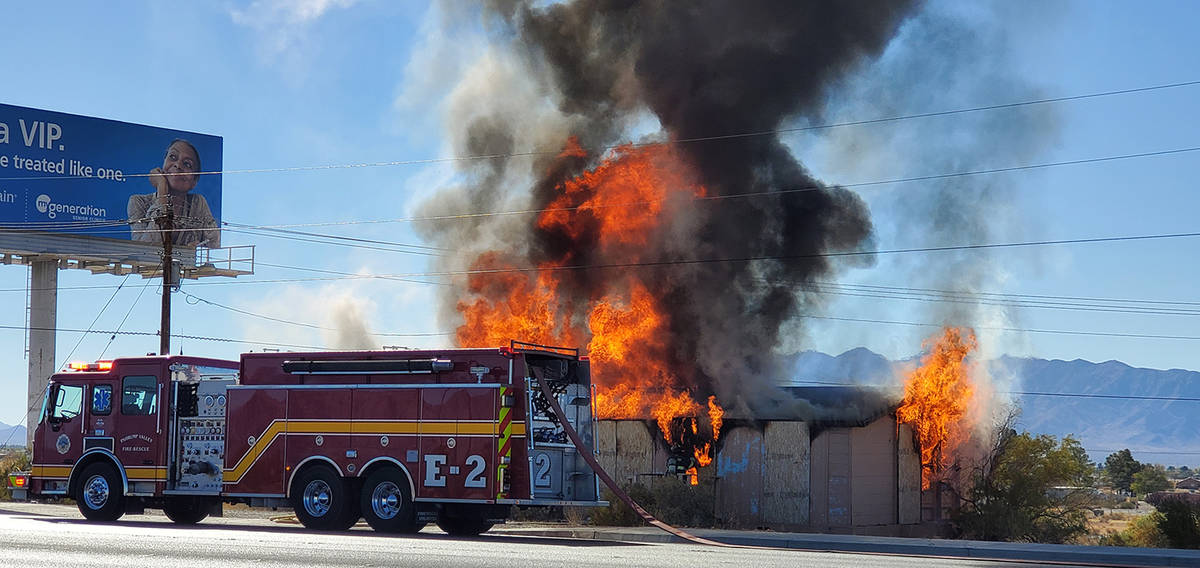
{"points": [[398, 438]]}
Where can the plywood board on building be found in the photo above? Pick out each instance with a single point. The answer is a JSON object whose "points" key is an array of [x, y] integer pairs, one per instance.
{"points": [[606, 444], [739, 487], [873, 465], [635, 450], [838, 482], [818, 514], [786, 476], [909, 477]]}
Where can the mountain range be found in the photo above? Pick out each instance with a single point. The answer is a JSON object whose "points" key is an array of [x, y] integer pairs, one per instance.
{"points": [[1107, 406], [14, 434]]}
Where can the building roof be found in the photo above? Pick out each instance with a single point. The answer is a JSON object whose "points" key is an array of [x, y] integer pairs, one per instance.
{"points": [[830, 406]]}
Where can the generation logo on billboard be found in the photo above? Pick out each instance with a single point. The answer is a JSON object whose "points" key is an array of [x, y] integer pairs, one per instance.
{"points": [[88, 176]]}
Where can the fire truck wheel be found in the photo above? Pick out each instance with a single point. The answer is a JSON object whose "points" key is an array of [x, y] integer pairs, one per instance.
{"points": [[185, 510], [99, 494], [462, 526], [387, 503], [322, 500]]}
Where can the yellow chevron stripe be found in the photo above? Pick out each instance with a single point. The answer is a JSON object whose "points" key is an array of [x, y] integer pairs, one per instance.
{"points": [[395, 427]]}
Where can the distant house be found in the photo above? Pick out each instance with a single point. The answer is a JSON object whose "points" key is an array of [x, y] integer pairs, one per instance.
{"points": [[1191, 484]]}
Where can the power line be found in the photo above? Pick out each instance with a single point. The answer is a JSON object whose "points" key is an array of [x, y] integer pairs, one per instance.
{"points": [[335, 237], [1029, 393], [340, 273], [745, 259], [1071, 306], [1008, 329], [715, 137], [1164, 453], [1007, 295], [302, 324], [155, 334], [126, 318], [773, 192], [327, 242], [97, 318], [298, 235], [1082, 303]]}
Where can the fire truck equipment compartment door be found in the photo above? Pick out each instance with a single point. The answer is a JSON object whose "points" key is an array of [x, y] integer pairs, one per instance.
{"points": [[556, 470]]}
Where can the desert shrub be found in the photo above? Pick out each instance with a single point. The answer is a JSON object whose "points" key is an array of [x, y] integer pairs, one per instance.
{"points": [[17, 460], [670, 499], [1143, 531], [617, 513]]}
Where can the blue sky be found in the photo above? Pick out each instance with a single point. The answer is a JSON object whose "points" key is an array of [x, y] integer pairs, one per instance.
{"points": [[328, 82]]}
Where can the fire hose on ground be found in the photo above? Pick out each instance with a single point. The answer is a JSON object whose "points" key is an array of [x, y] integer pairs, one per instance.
{"points": [[588, 456]]}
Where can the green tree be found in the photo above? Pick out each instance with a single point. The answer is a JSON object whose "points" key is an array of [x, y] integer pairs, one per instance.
{"points": [[1120, 467], [1180, 523], [1030, 488], [1150, 479]]}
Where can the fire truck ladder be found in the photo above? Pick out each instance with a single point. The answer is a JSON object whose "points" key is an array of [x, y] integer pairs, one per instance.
{"points": [[590, 458]]}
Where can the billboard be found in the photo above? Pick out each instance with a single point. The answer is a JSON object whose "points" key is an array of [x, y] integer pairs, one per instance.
{"points": [[87, 176]]}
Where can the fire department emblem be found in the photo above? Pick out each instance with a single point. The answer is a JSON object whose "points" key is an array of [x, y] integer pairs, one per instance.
{"points": [[63, 445]]}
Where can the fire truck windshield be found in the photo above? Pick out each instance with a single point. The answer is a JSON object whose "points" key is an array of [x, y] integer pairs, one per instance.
{"points": [[68, 402]]}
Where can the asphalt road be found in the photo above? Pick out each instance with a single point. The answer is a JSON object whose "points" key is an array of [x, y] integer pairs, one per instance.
{"points": [[46, 535]]}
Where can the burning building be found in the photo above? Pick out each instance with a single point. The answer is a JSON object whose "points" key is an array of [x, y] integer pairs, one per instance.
{"points": [[864, 459], [839, 471], [678, 260], [637, 199]]}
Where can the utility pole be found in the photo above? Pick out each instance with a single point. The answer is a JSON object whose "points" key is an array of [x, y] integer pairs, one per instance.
{"points": [[166, 223]]}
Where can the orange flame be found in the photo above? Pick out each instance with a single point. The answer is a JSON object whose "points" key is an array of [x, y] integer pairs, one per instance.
{"points": [[937, 399], [693, 476], [614, 207], [716, 416]]}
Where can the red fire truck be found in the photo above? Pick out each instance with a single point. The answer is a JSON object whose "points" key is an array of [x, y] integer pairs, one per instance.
{"points": [[399, 438]]}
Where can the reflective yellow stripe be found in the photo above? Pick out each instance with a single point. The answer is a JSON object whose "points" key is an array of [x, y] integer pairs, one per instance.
{"points": [[135, 473], [393, 427], [62, 471]]}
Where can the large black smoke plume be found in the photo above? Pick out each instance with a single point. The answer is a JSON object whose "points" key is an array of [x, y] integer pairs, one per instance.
{"points": [[689, 74]]}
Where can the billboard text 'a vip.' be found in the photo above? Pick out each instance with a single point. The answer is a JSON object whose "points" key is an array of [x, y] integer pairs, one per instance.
{"points": [[93, 177]]}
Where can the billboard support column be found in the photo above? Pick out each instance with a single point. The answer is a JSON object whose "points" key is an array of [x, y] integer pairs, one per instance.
{"points": [[43, 316]]}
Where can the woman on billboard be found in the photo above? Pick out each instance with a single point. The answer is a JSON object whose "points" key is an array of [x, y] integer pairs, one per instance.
{"points": [[193, 223]]}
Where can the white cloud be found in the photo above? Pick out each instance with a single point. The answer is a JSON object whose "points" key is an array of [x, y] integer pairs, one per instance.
{"points": [[282, 23]]}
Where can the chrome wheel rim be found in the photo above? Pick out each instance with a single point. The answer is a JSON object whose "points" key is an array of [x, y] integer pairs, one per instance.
{"points": [[386, 500], [317, 498], [95, 494]]}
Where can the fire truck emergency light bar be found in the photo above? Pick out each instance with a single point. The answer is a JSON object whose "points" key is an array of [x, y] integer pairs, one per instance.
{"points": [[97, 366], [368, 367]]}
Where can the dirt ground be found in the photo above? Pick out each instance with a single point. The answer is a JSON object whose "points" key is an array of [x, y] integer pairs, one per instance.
{"points": [[1111, 521]]}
